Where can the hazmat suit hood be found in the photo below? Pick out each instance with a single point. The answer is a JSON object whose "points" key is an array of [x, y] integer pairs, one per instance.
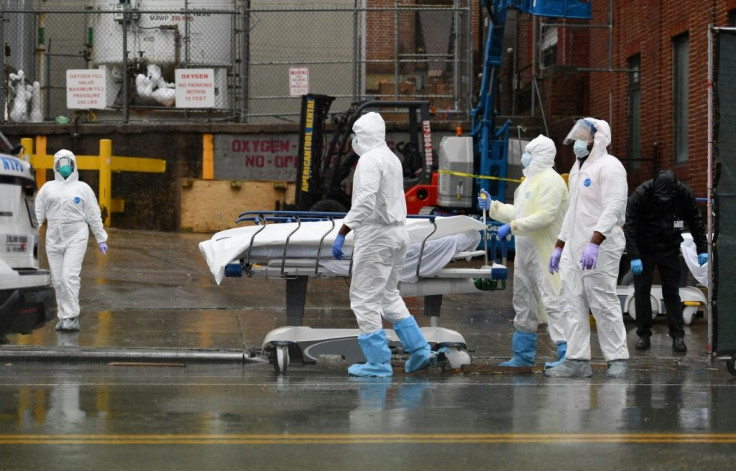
{"points": [[543, 153], [370, 133], [63, 155], [601, 138]]}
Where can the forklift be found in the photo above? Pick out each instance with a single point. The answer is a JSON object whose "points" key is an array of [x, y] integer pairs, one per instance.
{"points": [[325, 166]]}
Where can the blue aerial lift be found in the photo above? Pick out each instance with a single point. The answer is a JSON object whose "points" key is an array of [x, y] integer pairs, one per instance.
{"points": [[484, 152], [490, 145]]}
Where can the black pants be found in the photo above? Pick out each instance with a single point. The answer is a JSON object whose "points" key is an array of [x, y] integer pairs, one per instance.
{"points": [[668, 262]]}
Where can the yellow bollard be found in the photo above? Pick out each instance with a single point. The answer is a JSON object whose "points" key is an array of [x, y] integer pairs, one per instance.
{"points": [[105, 196], [41, 150], [27, 144], [208, 159]]}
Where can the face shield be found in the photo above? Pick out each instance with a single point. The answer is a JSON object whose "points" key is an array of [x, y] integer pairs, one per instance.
{"points": [[583, 130]]}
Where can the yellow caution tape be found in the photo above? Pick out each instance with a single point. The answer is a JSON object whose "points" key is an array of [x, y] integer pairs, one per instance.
{"points": [[484, 177]]}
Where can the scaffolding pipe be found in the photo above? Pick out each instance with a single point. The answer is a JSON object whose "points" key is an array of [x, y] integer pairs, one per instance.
{"points": [[356, 52], [396, 50], [244, 60], [709, 190], [124, 25], [3, 79]]}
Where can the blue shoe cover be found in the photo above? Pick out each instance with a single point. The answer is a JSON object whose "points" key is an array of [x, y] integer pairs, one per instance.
{"points": [[517, 362], [414, 343], [561, 351], [377, 355], [524, 346], [380, 370], [420, 359]]}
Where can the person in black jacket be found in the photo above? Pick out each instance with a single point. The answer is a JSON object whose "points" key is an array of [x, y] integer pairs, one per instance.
{"points": [[656, 215]]}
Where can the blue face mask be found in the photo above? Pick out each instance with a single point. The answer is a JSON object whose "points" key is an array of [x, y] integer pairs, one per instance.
{"points": [[526, 159], [580, 148], [65, 171]]}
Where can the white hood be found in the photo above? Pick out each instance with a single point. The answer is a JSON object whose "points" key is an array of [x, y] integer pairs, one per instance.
{"points": [[370, 131], [543, 152], [74, 175]]}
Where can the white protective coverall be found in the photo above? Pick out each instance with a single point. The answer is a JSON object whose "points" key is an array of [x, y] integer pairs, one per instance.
{"points": [[377, 215], [598, 196], [70, 206], [536, 217]]}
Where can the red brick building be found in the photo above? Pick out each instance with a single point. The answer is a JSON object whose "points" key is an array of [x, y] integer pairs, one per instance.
{"points": [[641, 66], [660, 113]]}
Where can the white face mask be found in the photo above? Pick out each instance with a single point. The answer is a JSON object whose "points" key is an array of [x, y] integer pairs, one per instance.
{"points": [[355, 143], [580, 148], [526, 159]]}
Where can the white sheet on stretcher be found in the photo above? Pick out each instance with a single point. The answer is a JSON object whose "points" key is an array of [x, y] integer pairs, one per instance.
{"points": [[232, 244]]}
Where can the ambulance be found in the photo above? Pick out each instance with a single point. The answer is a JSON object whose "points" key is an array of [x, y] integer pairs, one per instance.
{"points": [[27, 299]]}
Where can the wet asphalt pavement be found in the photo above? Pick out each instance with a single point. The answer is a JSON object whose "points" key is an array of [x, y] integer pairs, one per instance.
{"points": [[166, 374]]}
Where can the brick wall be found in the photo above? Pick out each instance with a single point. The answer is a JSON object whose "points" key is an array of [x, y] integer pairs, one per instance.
{"points": [[648, 28], [381, 40]]}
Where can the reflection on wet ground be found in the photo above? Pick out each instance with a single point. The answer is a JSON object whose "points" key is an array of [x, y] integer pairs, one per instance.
{"points": [[672, 411]]}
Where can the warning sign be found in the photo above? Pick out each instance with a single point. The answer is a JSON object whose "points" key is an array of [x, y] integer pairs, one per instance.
{"points": [[298, 81], [195, 88], [86, 89]]}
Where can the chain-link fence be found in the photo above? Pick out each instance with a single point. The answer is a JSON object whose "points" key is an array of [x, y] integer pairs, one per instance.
{"points": [[227, 60]]}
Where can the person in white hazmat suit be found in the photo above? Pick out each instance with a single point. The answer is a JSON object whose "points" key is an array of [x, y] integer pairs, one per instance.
{"points": [[535, 219], [378, 216], [71, 208], [588, 252]]}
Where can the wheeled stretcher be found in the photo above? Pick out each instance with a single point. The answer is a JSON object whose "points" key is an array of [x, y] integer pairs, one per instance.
{"points": [[694, 301], [296, 246]]}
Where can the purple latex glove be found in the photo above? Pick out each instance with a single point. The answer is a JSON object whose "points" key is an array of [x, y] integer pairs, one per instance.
{"points": [[103, 247], [504, 231], [590, 257], [554, 260]]}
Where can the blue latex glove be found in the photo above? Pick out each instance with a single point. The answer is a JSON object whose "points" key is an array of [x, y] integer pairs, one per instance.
{"points": [[636, 267], [590, 257], [702, 259], [337, 246], [103, 247], [554, 260], [504, 231], [484, 200]]}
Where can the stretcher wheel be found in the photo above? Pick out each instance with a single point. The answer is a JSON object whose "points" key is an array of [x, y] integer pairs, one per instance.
{"points": [[688, 314], [453, 357], [282, 358], [731, 364]]}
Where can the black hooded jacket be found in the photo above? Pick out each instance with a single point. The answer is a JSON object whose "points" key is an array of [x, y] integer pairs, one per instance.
{"points": [[652, 211]]}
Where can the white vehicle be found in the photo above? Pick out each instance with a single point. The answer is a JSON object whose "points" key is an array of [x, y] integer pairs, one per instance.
{"points": [[27, 299]]}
